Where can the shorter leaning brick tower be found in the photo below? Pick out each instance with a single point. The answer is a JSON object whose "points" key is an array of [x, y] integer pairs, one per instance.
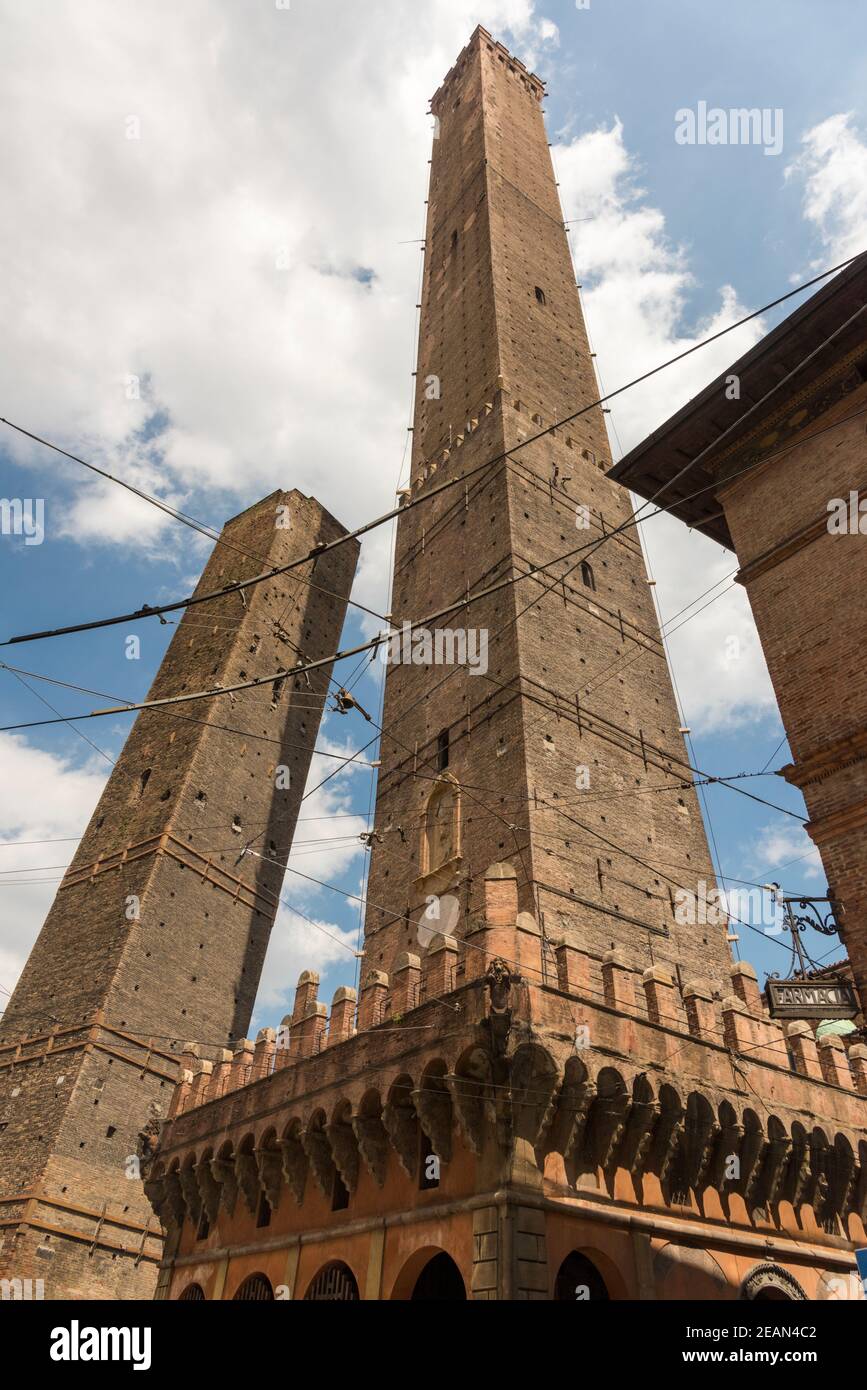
{"points": [[160, 926]]}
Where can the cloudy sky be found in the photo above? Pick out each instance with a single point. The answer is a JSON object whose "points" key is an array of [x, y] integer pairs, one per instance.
{"points": [[221, 203]]}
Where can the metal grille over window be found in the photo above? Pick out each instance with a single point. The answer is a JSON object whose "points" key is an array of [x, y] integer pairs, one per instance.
{"points": [[334, 1284], [255, 1289]]}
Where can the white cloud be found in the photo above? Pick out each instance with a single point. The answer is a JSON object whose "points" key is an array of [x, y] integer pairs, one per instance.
{"points": [[53, 801], [714, 648], [833, 168], [338, 843], [241, 257], [780, 844], [636, 286], [297, 943]]}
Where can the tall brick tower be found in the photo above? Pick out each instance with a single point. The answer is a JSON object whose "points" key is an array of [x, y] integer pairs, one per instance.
{"points": [[552, 1088], [564, 755], [160, 926]]}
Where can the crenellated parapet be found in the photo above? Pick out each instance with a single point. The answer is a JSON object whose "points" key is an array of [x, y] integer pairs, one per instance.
{"points": [[517, 1073], [736, 1023]]}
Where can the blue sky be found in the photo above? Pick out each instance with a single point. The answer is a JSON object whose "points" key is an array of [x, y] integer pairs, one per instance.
{"points": [[247, 257]]}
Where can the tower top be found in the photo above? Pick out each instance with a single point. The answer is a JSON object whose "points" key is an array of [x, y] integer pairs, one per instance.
{"points": [[478, 39]]}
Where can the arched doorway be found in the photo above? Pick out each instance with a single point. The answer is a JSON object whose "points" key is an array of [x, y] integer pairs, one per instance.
{"points": [[193, 1293], [578, 1280], [335, 1283], [440, 1279], [255, 1289], [771, 1284]]}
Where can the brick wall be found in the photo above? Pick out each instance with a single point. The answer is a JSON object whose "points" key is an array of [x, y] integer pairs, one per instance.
{"points": [[807, 589]]}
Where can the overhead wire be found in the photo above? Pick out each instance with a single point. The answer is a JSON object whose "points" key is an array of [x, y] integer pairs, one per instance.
{"points": [[155, 610]]}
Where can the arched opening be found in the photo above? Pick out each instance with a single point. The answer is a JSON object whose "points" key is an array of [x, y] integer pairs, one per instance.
{"points": [[429, 1273], [335, 1283], [771, 1284], [440, 1279], [255, 1289], [587, 577], [193, 1293], [441, 825], [578, 1280]]}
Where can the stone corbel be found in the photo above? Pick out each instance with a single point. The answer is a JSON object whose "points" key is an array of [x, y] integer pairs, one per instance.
{"points": [[295, 1165], [570, 1121], [607, 1126], [372, 1140], [816, 1184], [192, 1196], [751, 1155], [544, 1119], [664, 1136], [699, 1143], [727, 1146], [532, 1099], [821, 1198], [318, 1151], [670, 1152], [799, 1168], [155, 1189], [776, 1162], [752, 1186], [223, 1173], [344, 1150], [209, 1190], [843, 1178], [269, 1163], [434, 1109], [639, 1131], [175, 1202], [247, 1174], [400, 1123]]}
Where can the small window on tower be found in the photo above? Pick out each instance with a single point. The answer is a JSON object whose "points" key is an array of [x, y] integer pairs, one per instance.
{"points": [[442, 750], [454, 240], [540, 295], [587, 576]]}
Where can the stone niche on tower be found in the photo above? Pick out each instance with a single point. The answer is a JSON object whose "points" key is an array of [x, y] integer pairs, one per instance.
{"points": [[440, 836]]}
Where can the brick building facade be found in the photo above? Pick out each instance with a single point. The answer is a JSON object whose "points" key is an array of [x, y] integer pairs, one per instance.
{"points": [[553, 1086], [159, 927]]}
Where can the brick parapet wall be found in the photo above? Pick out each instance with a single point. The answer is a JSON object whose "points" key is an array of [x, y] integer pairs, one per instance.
{"points": [[615, 1006]]}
